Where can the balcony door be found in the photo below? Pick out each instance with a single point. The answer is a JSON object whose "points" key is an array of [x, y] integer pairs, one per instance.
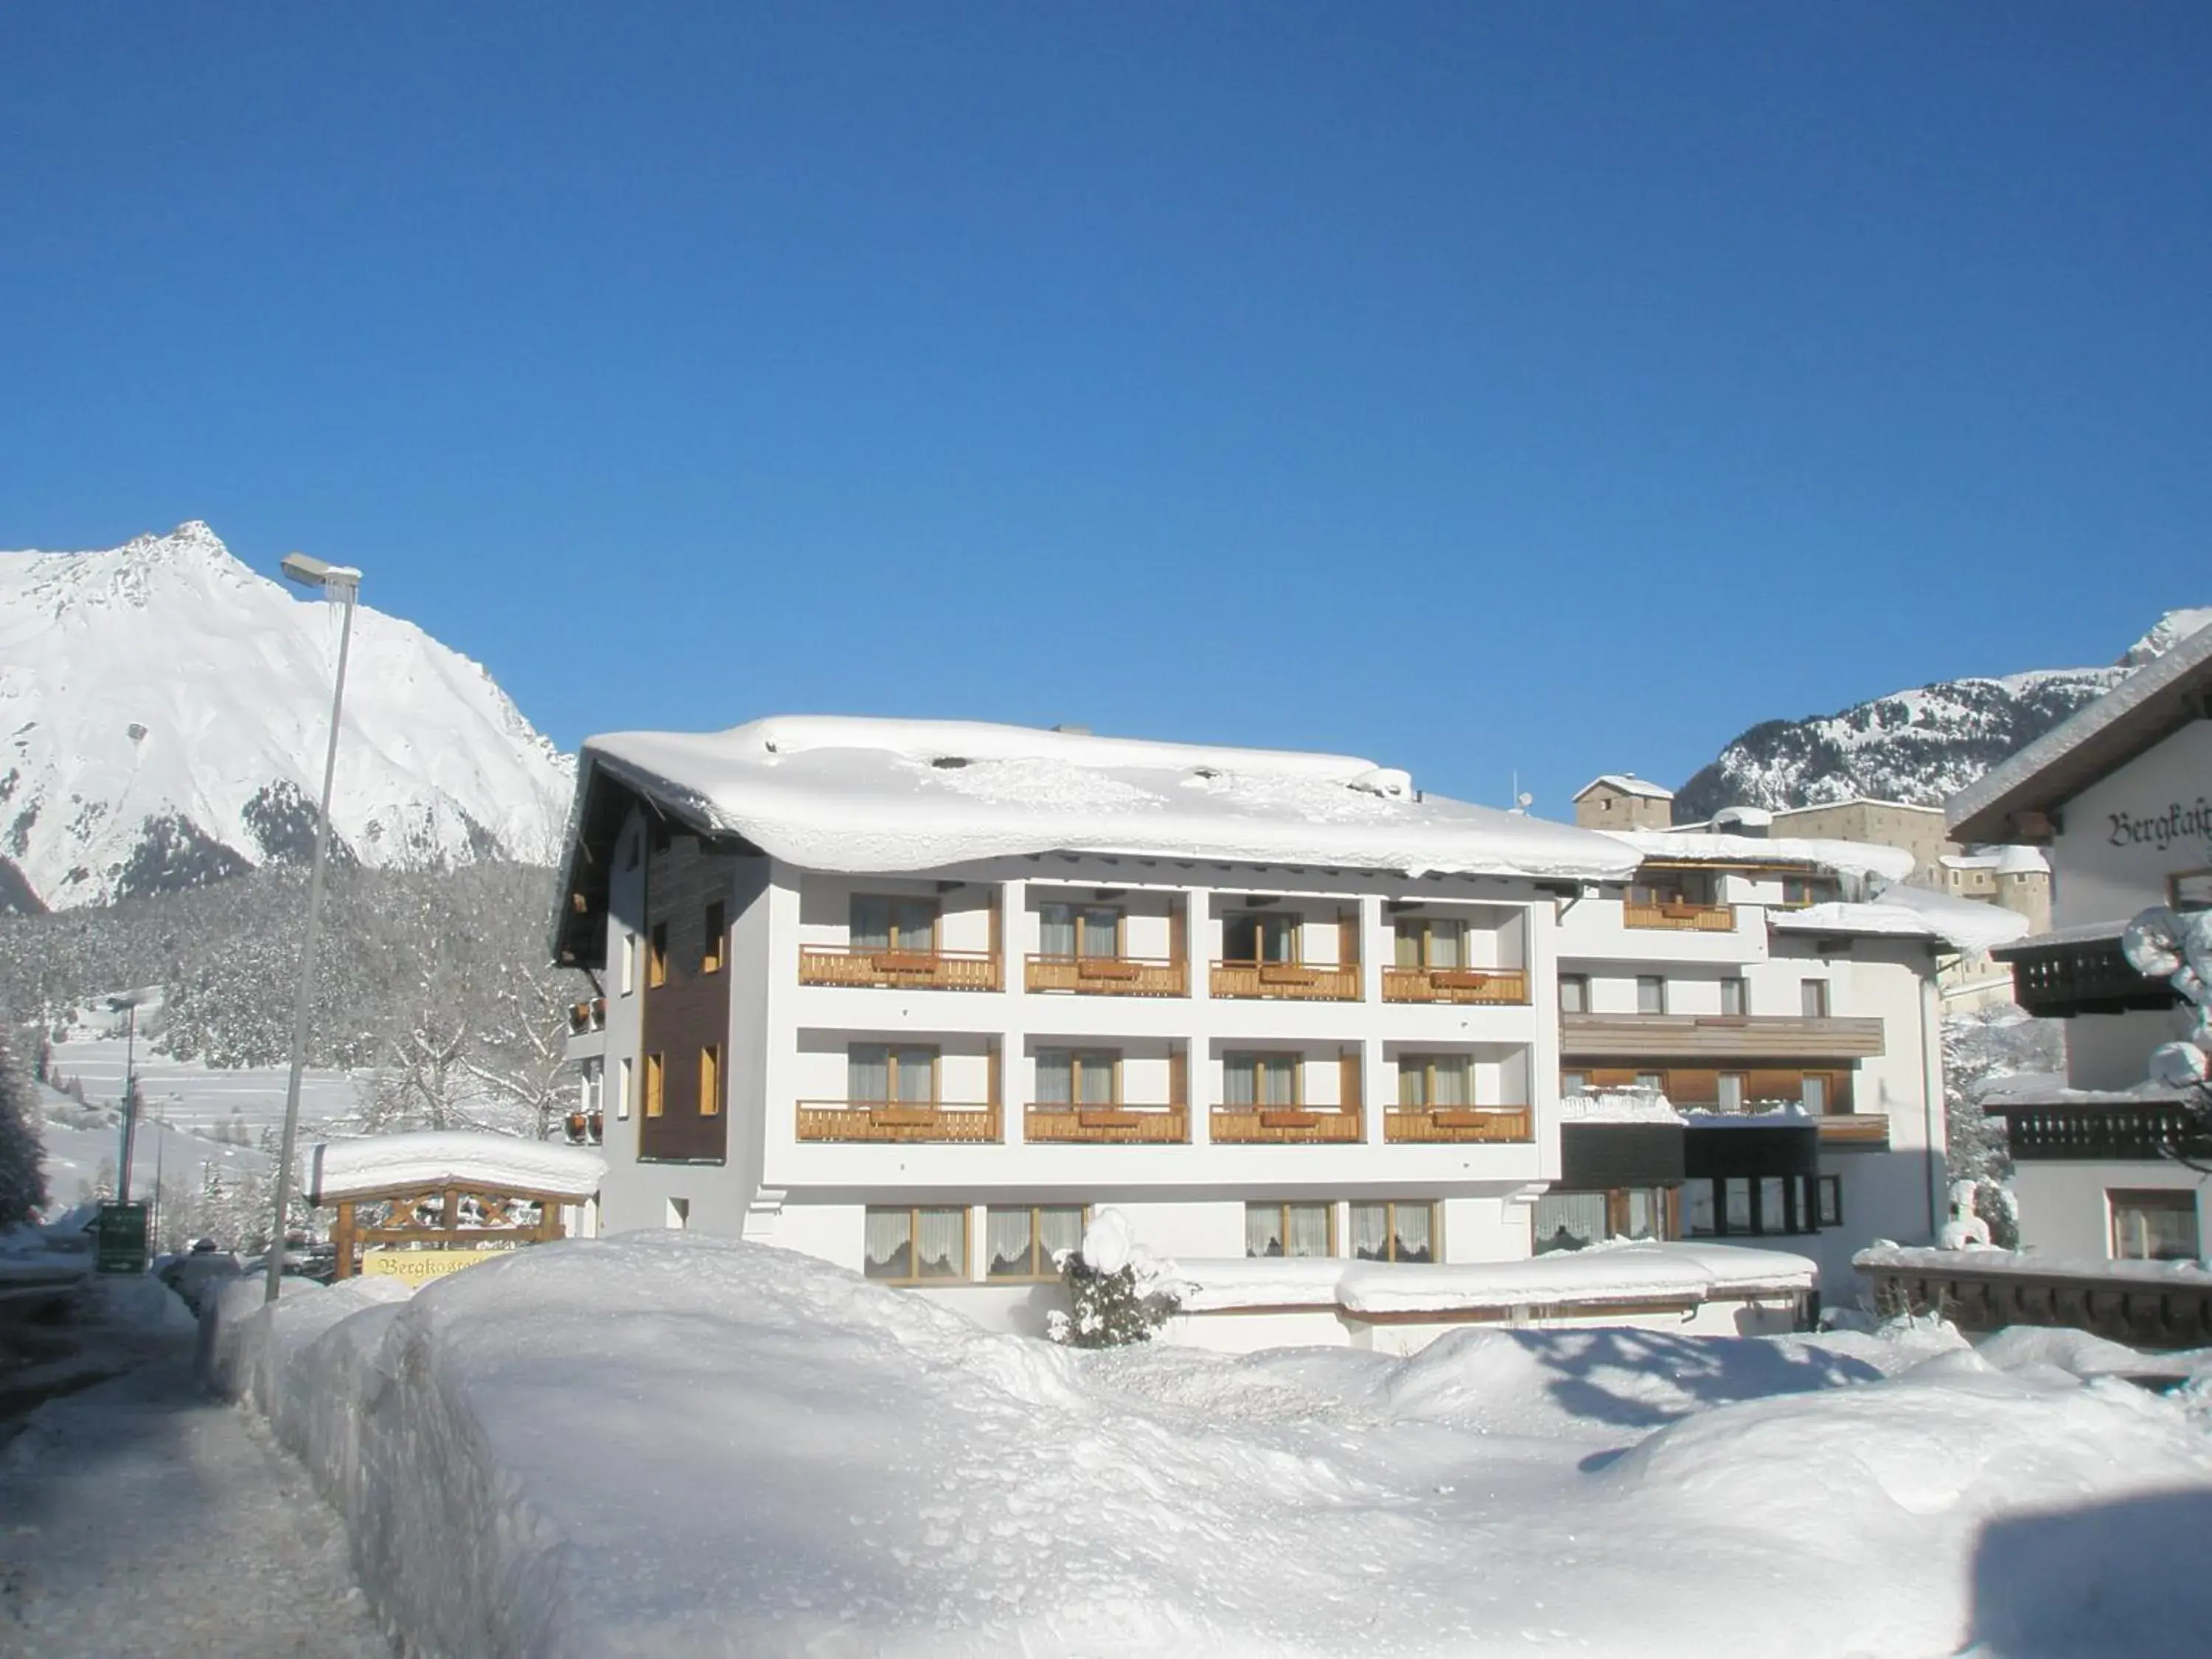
{"points": [[1077, 1077], [1251, 1081], [1092, 930], [1259, 936], [906, 926], [1423, 943], [879, 1074]]}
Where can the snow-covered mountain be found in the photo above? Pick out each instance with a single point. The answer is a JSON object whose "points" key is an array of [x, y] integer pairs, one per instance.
{"points": [[163, 711], [1921, 745]]}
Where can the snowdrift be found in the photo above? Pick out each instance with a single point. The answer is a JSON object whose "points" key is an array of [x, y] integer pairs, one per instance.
{"points": [[662, 1445]]}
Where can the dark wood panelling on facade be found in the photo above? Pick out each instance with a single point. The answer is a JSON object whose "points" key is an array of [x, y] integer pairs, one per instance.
{"points": [[1733, 1149], [1597, 1155], [689, 1011]]}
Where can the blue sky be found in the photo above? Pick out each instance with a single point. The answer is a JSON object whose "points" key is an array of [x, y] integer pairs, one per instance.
{"points": [[1481, 387]]}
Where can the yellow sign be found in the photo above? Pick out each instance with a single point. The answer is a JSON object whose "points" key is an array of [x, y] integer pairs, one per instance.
{"points": [[421, 1266]]}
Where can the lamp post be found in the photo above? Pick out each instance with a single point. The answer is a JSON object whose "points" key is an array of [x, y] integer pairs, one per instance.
{"points": [[342, 583], [127, 1006]]}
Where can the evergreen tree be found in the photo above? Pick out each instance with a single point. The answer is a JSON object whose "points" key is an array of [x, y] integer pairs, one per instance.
{"points": [[22, 1142]]}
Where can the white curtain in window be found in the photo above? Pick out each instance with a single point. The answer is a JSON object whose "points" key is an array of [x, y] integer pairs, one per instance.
{"points": [[1412, 1081], [1309, 1230], [1056, 1077], [1102, 933], [1574, 993], [1097, 1076], [867, 1074], [1059, 1228], [1773, 1216], [1642, 1213], [1731, 996], [1056, 929], [1240, 1081], [1263, 1229], [917, 1076], [941, 1245], [1446, 941], [1415, 1223], [1568, 1221], [1736, 1192], [1409, 945], [1370, 1232], [872, 924], [914, 924], [1454, 1081], [1650, 995], [1814, 994], [1007, 1242], [888, 1245], [1731, 1091], [1697, 1208], [1813, 1093], [1279, 1076]]}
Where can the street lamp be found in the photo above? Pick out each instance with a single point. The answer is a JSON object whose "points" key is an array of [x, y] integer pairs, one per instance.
{"points": [[343, 583], [127, 1005]]}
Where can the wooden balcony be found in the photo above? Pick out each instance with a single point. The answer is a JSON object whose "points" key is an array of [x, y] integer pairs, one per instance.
{"points": [[1647, 1038], [1293, 982], [964, 1124], [1280, 1126], [1425, 1124], [1493, 985], [1681, 918], [1123, 1125], [1862, 1129], [901, 970], [1110, 976]]}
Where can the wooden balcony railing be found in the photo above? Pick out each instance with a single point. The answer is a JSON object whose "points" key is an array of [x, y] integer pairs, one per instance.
{"points": [[1854, 1129], [1110, 976], [1509, 984], [1107, 1125], [1459, 1123], [1295, 982], [898, 1119], [1685, 918], [1719, 1039], [1269, 1125], [924, 971]]}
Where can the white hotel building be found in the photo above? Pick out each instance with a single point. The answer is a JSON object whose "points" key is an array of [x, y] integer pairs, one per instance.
{"points": [[914, 997]]}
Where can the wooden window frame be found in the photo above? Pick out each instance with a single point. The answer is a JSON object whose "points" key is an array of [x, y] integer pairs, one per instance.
{"points": [[1040, 1271], [1075, 1100], [1426, 927], [1294, 923], [891, 1078], [2182, 882], [1742, 988], [1284, 1206], [1423, 1066], [898, 945], [1580, 981], [656, 956], [913, 1214], [656, 1086], [2174, 1199], [714, 952], [1390, 1207], [710, 1080], [1075, 909], [1253, 1056]]}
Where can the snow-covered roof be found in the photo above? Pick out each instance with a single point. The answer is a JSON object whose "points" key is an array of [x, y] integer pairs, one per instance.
{"points": [[450, 1157], [2082, 932], [1600, 1274], [1762, 1114], [1618, 1106], [830, 793], [1904, 912], [1627, 783], [2031, 1264], [2023, 1090], [2021, 861], [2098, 737], [1743, 818], [1699, 846]]}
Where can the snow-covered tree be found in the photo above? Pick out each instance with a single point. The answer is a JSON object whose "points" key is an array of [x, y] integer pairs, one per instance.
{"points": [[1980, 1046], [1118, 1293], [22, 1142]]}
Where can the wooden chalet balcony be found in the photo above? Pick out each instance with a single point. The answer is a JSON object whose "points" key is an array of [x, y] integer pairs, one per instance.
{"points": [[1682, 918], [963, 1123], [1120, 1125], [1497, 985], [1716, 1036], [1457, 1123], [922, 971], [1273, 1126], [1294, 982], [1110, 976], [1870, 1130]]}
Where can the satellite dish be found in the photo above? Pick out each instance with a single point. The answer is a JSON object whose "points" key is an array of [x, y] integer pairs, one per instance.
{"points": [[1524, 800]]}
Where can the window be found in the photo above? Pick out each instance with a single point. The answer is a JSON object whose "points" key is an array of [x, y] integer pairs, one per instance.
{"points": [[1568, 1221], [1730, 1095], [678, 1217], [1798, 891], [656, 956], [908, 1246], [1574, 1083], [1022, 1243], [1259, 936], [622, 1099], [1735, 1204], [1259, 1080], [1574, 993], [718, 929], [1733, 1000], [1078, 930], [1812, 1094], [1394, 1232], [2190, 889], [655, 1092], [1813, 998], [883, 1074], [1641, 1213], [1426, 943], [907, 926], [1077, 1077], [1693, 887], [1276, 1230], [628, 963], [1652, 1082], [1650, 994], [2153, 1225], [1829, 1202], [1740, 1205], [1436, 1080], [710, 1081]]}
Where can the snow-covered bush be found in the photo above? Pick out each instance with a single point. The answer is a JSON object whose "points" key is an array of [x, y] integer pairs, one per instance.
{"points": [[1118, 1292], [22, 1182]]}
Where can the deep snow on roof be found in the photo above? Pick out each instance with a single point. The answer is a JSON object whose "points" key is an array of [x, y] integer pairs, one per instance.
{"points": [[1628, 784], [831, 793], [1854, 858], [1907, 913], [433, 1157]]}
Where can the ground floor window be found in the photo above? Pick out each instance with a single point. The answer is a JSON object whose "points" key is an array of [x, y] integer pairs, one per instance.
{"points": [[910, 1245], [1276, 1229], [2153, 1225], [1394, 1232], [1021, 1244], [1733, 1206], [1829, 1201], [1568, 1221]]}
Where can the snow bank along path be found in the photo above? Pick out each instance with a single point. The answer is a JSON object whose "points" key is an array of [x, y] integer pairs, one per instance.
{"points": [[668, 1445]]}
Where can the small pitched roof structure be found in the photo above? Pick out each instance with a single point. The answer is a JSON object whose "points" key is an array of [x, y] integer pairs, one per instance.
{"points": [[2013, 801], [1627, 783]]}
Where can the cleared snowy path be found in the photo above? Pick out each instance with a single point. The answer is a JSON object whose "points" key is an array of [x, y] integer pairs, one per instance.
{"points": [[141, 1520]]}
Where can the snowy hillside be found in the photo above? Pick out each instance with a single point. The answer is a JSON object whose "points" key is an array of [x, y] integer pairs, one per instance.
{"points": [[1918, 745], [163, 711]]}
